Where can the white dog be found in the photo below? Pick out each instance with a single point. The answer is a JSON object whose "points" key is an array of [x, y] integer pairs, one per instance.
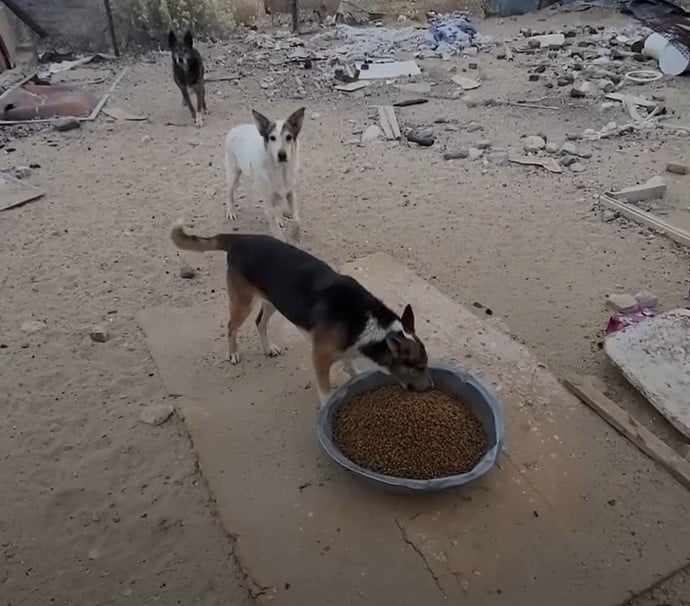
{"points": [[267, 153]]}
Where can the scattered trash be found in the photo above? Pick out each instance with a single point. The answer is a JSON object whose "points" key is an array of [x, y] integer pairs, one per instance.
{"points": [[620, 320], [449, 34], [466, 83], [548, 163], [643, 76], [352, 86], [394, 69]]}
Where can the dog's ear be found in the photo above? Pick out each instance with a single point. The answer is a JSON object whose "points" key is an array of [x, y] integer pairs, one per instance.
{"points": [[408, 319], [172, 40], [188, 40], [294, 122], [395, 344], [263, 124]]}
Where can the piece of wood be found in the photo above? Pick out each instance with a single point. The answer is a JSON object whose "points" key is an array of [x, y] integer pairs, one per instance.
{"points": [[530, 105], [389, 123], [99, 106], [636, 100], [627, 425], [548, 163], [408, 102], [230, 78], [635, 214], [350, 87], [122, 114]]}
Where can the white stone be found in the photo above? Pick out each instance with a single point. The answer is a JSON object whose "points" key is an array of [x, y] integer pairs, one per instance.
{"points": [[621, 302], [156, 414], [32, 326], [533, 143], [372, 133]]}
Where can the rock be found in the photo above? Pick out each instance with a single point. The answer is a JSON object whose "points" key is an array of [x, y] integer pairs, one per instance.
{"points": [[677, 169], [32, 326], [424, 133], [456, 154], [646, 299], [533, 143], [533, 77], [581, 89], [606, 85], [609, 215], [621, 302], [473, 126], [483, 144], [146, 139], [423, 137], [567, 160], [372, 133], [540, 69], [576, 167], [156, 414], [501, 53], [552, 148], [474, 153], [187, 272], [65, 124], [566, 80], [315, 116], [93, 554], [99, 334], [498, 157], [473, 65], [22, 172]]}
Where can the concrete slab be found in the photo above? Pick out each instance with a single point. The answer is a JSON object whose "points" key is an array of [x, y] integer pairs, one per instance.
{"points": [[655, 357], [574, 513]]}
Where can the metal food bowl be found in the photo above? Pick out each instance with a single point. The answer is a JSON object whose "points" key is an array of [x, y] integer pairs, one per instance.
{"points": [[446, 378]]}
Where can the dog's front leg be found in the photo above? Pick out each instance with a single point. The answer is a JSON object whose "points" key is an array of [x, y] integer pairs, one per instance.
{"points": [[188, 102], [296, 217], [323, 356], [274, 215], [200, 104]]}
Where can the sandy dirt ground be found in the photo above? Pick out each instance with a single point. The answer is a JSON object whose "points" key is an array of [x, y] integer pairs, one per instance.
{"points": [[100, 508]]}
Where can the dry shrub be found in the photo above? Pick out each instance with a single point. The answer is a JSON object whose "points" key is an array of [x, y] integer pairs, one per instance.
{"points": [[145, 20]]}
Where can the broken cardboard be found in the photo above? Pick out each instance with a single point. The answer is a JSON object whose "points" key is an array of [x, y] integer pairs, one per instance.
{"points": [[654, 356], [466, 83], [305, 528], [15, 192]]}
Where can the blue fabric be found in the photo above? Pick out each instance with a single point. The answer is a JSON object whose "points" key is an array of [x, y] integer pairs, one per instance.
{"points": [[455, 30]]}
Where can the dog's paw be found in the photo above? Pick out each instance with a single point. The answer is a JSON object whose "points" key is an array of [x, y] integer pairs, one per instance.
{"points": [[272, 350], [234, 358], [199, 120], [231, 216]]}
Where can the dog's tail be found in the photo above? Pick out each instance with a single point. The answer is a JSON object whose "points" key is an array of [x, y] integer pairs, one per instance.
{"points": [[187, 241]]}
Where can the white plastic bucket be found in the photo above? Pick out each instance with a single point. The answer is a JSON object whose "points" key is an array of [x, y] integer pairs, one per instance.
{"points": [[673, 60], [654, 45]]}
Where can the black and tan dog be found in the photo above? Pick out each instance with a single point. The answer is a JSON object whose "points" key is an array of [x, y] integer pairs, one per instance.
{"points": [[188, 72], [342, 319]]}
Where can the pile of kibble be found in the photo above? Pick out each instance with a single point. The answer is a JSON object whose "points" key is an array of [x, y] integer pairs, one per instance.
{"points": [[410, 435]]}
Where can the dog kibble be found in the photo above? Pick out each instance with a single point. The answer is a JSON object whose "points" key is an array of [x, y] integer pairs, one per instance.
{"points": [[410, 435]]}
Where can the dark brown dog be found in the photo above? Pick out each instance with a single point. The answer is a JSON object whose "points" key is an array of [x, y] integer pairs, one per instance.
{"points": [[342, 319], [188, 72]]}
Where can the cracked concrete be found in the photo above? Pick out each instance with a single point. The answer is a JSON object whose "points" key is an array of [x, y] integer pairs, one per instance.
{"points": [[419, 552], [541, 521]]}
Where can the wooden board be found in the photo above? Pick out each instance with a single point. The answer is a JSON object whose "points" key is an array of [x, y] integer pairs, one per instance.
{"points": [[388, 122], [14, 192], [654, 356], [626, 424], [635, 214]]}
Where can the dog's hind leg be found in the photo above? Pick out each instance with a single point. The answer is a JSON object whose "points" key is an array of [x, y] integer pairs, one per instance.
{"points": [[240, 300], [296, 216], [232, 174], [267, 310]]}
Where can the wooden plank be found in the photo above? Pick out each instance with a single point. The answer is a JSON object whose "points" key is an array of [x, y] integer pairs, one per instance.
{"points": [[104, 98], [388, 121], [634, 214], [627, 425], [636, 100]]}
